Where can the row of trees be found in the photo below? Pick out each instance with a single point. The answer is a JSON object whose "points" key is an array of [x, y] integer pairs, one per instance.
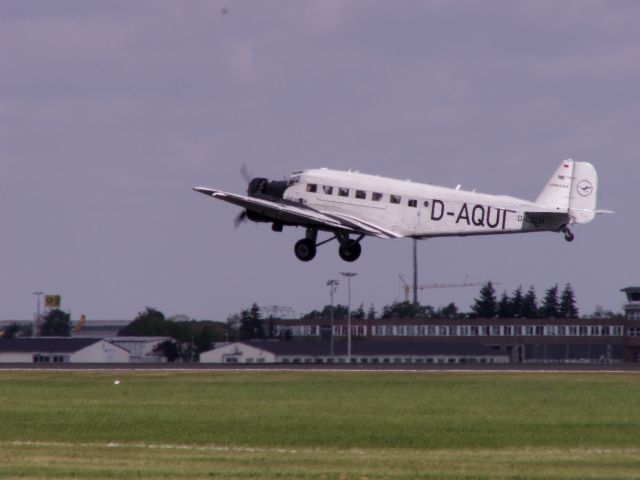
{"points": [[56, 323], [525, 305], [519, 304]]}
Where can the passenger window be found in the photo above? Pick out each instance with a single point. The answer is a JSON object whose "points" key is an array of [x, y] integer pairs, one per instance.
{"points": [[395, 198], [343, 192], [376, 197], [412, 203], [361, 194], [312, 187], [327, 189]]}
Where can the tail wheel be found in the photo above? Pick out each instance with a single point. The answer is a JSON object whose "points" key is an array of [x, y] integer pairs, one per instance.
{"points": [[350, 251], [568, 234], [305, 249]]}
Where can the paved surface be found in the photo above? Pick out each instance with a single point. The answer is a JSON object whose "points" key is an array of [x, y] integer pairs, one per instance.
{"points": [[604, 367]]}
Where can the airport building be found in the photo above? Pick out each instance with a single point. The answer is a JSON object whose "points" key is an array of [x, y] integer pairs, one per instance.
{"points": [[370, 352], [544, 340], [61, 350]]}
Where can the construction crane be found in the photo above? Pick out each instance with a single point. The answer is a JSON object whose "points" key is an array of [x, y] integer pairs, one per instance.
{"points": [[79, 324], [466, 283]]}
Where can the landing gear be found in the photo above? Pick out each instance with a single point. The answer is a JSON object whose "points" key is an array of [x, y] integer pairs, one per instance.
{"points": [[568, 235], [350, 251], [305, 249]]}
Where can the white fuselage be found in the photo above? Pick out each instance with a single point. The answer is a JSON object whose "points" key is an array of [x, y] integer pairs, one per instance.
{"points": [[416, 209]]}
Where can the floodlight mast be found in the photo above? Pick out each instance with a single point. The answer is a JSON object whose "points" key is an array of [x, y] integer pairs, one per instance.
{"points": [[349, 275], [333, 286]]}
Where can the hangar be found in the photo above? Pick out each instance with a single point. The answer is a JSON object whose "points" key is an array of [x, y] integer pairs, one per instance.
{"points": [[370, 352], [61, 350]]}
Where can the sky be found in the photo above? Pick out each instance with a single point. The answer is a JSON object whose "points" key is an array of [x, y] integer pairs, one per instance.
{"points": [[111, 111]]}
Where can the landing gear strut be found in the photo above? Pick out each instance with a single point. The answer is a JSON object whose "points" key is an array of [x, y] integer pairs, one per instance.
{"points": [[568, 235]]}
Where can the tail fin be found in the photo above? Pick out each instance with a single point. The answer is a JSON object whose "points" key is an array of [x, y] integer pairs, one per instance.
{"points": [[557, 193], [584, 190], [572, 189]]}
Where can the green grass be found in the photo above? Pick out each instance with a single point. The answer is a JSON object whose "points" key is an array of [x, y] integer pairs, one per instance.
{"points": [[319, 425]]}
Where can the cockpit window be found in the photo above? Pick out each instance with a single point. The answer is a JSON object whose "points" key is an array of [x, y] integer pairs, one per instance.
{"points": [[312, 187], [293, 180]]}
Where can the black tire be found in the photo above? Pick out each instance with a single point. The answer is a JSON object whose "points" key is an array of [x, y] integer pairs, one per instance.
{"points": [[569, 236], [350, 252], [305, 250]]}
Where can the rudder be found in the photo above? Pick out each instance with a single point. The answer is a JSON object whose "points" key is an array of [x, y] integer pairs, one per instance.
{"points": [[584, 190]]}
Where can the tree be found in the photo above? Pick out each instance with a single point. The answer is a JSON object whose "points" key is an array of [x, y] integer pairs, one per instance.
{"points": [[340, 313], [56, 324], [550, 306], [517, 302], [568, 307], [504, 306], [10, 331], [486, 306], [529, 304], [169, 349], [406, 310], [448, 312], [149, 322], [371, 314], [359, 313], [251, 324]]}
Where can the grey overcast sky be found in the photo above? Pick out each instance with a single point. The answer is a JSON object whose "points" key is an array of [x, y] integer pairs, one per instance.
{"points": [[111, 111]]}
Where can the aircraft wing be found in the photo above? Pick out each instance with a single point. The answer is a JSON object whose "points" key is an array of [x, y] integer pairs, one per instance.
{"points": [[299, 214]]}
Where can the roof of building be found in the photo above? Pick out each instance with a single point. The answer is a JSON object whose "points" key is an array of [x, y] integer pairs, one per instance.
{"points": [[45, 344], [319, 348]]}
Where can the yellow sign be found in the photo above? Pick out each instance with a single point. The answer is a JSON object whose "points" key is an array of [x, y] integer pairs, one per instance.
{"points": [[52, 301]]}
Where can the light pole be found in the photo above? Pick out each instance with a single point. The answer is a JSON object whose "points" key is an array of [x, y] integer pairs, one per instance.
{"points": [[333, 286], [35, 327], [348, 275]]}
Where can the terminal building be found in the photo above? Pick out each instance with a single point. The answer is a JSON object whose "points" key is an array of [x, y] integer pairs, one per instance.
{"points": [[544, 340]]}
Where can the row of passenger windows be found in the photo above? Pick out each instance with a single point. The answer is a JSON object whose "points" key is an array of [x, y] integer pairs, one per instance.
{"points": [[361, 194]]}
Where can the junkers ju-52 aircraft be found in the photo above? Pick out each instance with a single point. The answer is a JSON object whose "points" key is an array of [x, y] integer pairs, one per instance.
{"points": [[350, 205]]}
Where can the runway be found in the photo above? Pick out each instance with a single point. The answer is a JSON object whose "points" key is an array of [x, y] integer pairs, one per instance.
{"points": [[431, 368]]}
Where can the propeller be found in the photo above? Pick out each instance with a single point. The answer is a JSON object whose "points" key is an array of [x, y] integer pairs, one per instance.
{"points": [[244, 171], [240, 219], [242, 216]]}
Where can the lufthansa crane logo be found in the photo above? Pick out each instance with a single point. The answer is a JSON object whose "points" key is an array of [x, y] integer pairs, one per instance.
{"points": [[585, 188]]}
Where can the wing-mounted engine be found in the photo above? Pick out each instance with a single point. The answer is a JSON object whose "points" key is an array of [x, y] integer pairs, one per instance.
{"points": [[267, 190]]}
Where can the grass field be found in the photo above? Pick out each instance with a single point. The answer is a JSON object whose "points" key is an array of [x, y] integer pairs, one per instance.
{"points": [[320, 425]]}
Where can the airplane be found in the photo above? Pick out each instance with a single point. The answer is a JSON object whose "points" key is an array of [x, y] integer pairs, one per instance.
{"points": [[351, 205]]}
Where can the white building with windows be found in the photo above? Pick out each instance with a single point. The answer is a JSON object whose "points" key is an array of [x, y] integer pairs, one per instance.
{"points": [[363, 352], [47, 350]]}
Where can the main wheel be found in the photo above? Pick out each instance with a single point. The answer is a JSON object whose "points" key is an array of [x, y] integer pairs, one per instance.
{"points": [[350, 252], [305, 249], [568, 236]]}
